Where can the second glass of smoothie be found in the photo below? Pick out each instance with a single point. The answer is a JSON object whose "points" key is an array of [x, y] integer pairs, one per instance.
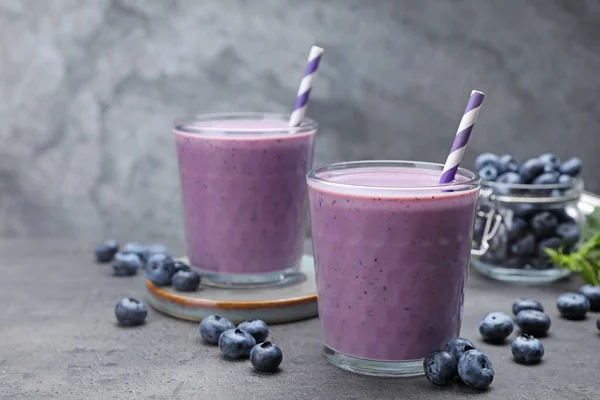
{"points": [[243, 188], [392, 248]]}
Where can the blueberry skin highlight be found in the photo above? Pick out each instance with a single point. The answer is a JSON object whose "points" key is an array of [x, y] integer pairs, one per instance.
{"points": [[526, 349], [533, 322], [495, 327], [476, 370], [213, 326], [235, 343], [573, 306], [440, 368], [266, 357]]}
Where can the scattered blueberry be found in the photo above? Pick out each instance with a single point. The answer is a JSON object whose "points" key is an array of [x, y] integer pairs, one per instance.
{"points": [[511, 178], [507, 163], [213, 326], [488, 173], [266, 357], [524, 246], [440, 368], [593, 295], [186, 281], [235, 343], [130, 312], [475, 369], [106, 251], [547, 178], [543, 224], [531, 169], [526, 304], [137, 248], [160, 269], [565, 179], [126, 264], [458, 346], [158, 249], [533, 322], [571, 167], [486, 159], [181, 266], [526, 349], [573, 306], [495, 327], [517, 229], [257, 328], [568, 233]]}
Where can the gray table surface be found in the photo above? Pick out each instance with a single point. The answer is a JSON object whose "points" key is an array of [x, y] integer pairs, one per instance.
{"points": [[58, 339]]}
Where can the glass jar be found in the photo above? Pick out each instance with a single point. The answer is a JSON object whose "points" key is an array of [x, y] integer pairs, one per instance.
{"points": [[516, 222]]}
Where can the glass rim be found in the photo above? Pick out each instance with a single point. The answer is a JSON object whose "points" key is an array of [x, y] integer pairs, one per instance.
{"points": [[473, 180], [185, 124]]}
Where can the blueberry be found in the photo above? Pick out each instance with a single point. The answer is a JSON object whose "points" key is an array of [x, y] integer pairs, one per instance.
{"points": [[573, 306], [531, 169], [526, 349], [565, 179], [213, 326], [478, 228], [141, 250], [593, 295], [533, 322], [571, 167], [158, 249], [598, 324], [557, 193], [543, 224], [130, 312], [106, 251], [547, 178], [126, 264], [569, 234], [186, 281], [562, 215], [160, 269], [550, 168], [235, 343], [458, 346], [266, 357], [553, 243], [257, 328], [495, 327], [507, 163], [440, 367], [524, 210], [511, 178], [516, 262], [488, 173], [524, 246], [526, 304], [517, 229], [485, 159], [549, 158], [475, 369], [181, 266]]}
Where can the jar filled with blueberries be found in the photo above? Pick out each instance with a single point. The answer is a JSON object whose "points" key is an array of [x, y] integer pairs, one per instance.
{"points": [[525, 208]]}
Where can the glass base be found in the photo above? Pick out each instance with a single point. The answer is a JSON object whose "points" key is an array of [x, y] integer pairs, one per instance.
{"points": [[517, 275], [249, 281], [365, 366]]}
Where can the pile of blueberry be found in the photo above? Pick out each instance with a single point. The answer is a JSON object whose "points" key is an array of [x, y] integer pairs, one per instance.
{"points": [[248, 339], [459, 358], [546, 169], [156, 259]]}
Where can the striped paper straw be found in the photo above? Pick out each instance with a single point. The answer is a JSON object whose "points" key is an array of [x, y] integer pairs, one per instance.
{"points": [[314, 57], [462, 136]]}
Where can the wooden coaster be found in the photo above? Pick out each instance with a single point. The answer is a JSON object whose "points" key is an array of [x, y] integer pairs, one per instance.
{"points": [[273, 304]]}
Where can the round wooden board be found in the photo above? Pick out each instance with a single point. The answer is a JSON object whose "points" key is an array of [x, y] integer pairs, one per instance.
{"points": [[273, 304]]}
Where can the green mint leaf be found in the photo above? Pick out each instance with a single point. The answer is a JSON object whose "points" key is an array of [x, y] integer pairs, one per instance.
{"points": [[587, 271], [592, 226]]}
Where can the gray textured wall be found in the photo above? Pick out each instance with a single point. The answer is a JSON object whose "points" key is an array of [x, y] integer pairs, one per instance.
{"points": [[88, 90]]}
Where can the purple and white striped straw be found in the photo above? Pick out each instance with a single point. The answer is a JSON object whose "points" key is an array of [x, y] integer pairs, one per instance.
{"points": [[314, 57], [462, 136]]}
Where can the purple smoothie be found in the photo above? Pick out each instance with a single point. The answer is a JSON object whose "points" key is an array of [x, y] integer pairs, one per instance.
{"points": [[391, 264], [243, 188]]}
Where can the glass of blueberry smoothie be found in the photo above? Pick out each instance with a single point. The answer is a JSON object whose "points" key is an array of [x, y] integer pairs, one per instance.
{"points": [[392, 250], [243, 188]]}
